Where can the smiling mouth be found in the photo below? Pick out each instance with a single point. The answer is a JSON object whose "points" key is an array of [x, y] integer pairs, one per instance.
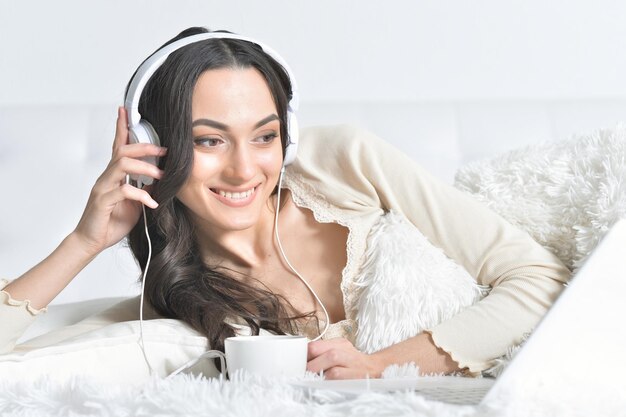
{"points": [[234, 195]]}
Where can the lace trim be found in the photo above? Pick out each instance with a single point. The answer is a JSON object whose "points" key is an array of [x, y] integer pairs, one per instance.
{"points": [[466, 370], [306, 196], [10, 301], [344, 328]]}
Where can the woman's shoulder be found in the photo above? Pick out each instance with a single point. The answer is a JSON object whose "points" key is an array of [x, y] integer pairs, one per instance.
{"points": [[340, 162], [349, 148], [337, 145]]}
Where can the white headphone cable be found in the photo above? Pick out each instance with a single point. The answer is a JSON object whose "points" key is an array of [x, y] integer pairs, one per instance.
{"points": [[282, 252], [207, 354], [143, 284]]}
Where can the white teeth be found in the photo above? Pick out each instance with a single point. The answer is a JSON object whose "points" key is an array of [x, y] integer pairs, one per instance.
{"points": [[236, 196]]}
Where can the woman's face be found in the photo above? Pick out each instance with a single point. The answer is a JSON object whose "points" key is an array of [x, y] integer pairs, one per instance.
{"points": [[237, 150]]}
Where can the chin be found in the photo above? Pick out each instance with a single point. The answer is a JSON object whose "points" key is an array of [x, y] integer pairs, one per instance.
{"points": [[239, 224]]}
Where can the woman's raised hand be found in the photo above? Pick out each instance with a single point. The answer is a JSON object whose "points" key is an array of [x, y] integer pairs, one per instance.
{"points": [[114, 206], [112, 210]]}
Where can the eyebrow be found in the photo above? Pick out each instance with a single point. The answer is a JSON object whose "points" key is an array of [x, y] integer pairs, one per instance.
{"points": [[226, 128]]}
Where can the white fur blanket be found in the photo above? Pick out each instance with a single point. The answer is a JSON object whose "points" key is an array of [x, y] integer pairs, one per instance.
{"points": [[185, 395], [565, 195], [245, 395]]}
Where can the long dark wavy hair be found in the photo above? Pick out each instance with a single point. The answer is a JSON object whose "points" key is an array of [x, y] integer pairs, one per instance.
{"points": [[179, 284]]}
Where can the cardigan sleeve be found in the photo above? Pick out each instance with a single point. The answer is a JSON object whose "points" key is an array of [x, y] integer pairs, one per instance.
{"points": [[15, 318], [354, 169]]}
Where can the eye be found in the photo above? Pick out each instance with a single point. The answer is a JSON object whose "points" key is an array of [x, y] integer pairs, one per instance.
{"points": [[207, 142], [269, 138]]}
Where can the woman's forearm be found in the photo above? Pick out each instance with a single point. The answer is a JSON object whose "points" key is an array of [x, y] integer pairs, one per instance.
{"points": [[422, 351], [42, 283], [339, 359]]}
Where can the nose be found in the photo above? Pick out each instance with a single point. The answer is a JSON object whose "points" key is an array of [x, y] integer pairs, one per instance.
{"points": [[240, 166]]}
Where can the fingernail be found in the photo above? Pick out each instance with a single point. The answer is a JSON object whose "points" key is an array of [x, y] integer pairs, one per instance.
{"points": [[153, 204]]}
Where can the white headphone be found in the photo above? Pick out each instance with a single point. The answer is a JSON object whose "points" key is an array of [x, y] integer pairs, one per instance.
{"points": [[141, 131]]}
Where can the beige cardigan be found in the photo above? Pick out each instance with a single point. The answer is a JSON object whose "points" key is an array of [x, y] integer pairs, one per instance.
{"points": [[349, 176]]}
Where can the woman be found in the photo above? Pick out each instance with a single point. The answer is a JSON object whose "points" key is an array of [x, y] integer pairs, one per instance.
{"points": [[219, 108]]}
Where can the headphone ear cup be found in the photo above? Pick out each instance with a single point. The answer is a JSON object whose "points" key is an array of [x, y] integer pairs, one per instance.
{"points": [[143, 132], [294, 133]]}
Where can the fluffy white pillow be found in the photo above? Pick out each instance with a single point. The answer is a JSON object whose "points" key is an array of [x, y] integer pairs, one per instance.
{"points": [[425, 285], [566, 195], [58, 316], [112, 354]]}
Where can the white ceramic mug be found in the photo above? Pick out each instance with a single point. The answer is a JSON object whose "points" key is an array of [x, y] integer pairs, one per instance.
{"points": [[269, 355]]}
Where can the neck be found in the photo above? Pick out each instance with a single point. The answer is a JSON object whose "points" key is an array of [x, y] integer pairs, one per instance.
{"points": [[243, 250]]}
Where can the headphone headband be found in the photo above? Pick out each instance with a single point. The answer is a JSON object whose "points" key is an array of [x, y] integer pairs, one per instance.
{"points": [[150, 65]]}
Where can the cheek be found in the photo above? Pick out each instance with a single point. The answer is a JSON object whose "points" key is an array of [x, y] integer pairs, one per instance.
{"points": [[272, 160], [203, 168]]}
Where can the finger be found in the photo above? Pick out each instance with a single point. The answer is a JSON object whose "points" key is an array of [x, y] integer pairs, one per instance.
{"points": [[130, 166], [340, 372], [128, 192], [329, 359], [116, 174], [319, 347], [121, 129], [138, 150]]}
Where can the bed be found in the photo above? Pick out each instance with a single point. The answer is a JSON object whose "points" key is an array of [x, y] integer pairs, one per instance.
{"points": [[565, 194]]}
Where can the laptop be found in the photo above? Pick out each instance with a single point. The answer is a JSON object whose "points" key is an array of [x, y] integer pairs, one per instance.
{"points": [[576, 355]]}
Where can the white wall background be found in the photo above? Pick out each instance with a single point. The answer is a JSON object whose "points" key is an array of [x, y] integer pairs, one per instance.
{"points": [[446, 81], [73, 51]]}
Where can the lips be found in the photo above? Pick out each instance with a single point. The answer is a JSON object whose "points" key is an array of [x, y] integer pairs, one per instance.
{"points": [[235, 198]]}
